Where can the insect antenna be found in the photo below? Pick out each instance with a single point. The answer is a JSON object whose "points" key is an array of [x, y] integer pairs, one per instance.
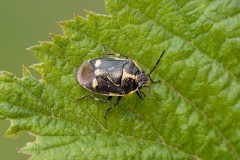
{"points": [[156, 63]]}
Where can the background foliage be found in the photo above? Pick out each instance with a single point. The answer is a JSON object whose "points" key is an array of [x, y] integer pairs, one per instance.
{"points": [[192, 114]]}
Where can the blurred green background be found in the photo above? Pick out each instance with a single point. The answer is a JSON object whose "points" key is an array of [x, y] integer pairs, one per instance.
{"points": [[22, 24]]}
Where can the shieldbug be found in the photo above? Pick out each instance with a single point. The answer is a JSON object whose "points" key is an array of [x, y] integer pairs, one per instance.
{"points": [[113, 76]]}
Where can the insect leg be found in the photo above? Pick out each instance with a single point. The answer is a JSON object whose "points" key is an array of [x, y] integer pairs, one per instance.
{"points": [[96, 99], [140, 94], [149, 89], [113, 54], [108, 109], [152, 80]]}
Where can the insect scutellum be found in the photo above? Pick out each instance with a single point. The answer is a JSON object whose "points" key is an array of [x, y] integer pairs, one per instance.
{"points": [[113, 76]]}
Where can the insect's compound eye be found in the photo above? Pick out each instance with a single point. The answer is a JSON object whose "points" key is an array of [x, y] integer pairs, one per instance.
{"points": [[85, 73]]}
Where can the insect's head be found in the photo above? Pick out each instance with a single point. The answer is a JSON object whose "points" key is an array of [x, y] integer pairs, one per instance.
{"points": [[143, 79]]}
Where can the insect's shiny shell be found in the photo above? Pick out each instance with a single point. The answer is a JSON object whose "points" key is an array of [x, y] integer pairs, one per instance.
{"points": [[109, 76]]}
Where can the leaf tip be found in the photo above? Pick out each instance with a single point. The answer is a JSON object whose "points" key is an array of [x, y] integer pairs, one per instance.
{"points": [[54, 35], [88, 12], [32, 48], [77, 17], [29, 49], [6, 74], [37, 67], [12, 131], [62, 23], [26, 71]]}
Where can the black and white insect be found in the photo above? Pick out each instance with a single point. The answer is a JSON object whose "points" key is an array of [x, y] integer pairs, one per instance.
{"points": [[113, 76]]}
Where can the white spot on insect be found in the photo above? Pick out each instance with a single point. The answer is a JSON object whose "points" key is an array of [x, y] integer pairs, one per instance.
{"points": [[127, 75], [112, 68], [97, 72], [94, 83], [97, 63]]}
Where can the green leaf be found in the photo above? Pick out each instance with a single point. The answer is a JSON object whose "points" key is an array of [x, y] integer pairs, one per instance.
{"points": [[194, 113]]}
